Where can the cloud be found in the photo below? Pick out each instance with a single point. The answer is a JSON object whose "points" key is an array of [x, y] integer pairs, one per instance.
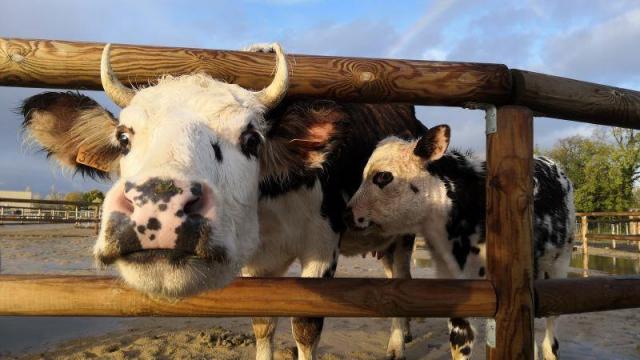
{"points": [[356, 38], [428, 19], [607, 52]]}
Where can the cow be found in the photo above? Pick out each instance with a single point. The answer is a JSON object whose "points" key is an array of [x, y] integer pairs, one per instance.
{"points": [[213, 180], [417, 186]]}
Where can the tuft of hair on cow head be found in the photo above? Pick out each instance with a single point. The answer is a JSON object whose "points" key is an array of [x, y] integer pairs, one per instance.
{"points": [[74, 130], [434, 143]]}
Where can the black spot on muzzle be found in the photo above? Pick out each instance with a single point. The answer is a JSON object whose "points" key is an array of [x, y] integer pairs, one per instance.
{"points": [[119, 227], [192, 242], [154, 190]]}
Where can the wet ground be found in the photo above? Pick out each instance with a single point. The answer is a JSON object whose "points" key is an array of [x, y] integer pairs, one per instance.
{"points": [[61, 249]]}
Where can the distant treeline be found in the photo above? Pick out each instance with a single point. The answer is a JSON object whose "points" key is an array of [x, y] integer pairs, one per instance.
{"points": [[603, 168]]}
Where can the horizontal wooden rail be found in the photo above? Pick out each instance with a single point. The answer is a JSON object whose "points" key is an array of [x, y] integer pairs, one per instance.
{"points": [[40, 295], [570, 99], [54, 295], [613, 237], [76, 65], [573, 296]]}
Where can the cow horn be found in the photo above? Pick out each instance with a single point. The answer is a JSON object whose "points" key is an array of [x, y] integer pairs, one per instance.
{"points": [[273, 94], [117, 92]]}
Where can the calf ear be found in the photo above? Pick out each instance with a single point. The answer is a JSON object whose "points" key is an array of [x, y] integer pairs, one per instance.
{"points": [[74, 130], [434, 143]]}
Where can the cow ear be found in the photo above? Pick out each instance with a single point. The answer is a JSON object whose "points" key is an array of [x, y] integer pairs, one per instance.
{"points": [[434, 143], [74, 130], [300, 136]]}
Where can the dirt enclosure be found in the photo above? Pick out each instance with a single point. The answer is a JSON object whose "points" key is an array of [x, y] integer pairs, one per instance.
{"points": [[63, 249]]}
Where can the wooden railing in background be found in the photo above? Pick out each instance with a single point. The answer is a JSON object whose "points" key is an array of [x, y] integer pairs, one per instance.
{"points": [[630, 218], [18, 212]]}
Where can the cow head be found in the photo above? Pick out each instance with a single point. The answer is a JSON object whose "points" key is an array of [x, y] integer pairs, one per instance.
{"points": [[397, 190], [182, 216]]}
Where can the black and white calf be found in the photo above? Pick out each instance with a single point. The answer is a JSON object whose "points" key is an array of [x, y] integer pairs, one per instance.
{"points": [[214, 179], [417, 186]]}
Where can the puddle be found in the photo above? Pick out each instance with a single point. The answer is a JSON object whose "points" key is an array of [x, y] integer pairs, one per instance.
{"points": [[608, 264]]}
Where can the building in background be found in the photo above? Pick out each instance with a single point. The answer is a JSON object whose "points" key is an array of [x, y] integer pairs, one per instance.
{"points": [[27, 194]]}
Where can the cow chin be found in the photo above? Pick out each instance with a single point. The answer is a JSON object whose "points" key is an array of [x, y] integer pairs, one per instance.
{"points": [[167, 279]]}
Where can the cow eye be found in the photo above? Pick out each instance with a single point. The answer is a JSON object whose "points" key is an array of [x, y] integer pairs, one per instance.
{"points": [[250, 142], [123, 140], [382, 178]]}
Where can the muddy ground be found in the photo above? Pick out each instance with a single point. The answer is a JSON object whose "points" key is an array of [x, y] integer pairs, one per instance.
{"points": [[62, 249]]}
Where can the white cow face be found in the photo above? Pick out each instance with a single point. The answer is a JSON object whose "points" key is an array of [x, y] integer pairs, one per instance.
{"points": [[395, 184], [182, 217]]}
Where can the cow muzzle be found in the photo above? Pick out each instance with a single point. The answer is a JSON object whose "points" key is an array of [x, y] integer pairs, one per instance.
{"points": [[158, 218]]}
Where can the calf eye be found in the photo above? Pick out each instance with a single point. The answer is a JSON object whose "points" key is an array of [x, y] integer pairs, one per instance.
{"points": [[382, 178], [250, 142]]}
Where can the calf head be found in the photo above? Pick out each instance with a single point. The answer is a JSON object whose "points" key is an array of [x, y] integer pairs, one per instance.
{"points": [[396, 183], [182, 216]]}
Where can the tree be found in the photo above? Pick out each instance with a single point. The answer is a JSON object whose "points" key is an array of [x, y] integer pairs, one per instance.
{"points": [[92, 195], [74, 196], [603, 168]]}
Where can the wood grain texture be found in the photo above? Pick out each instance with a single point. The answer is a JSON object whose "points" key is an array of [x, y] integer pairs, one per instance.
{"points": [[564, 98], [75, 65], [40, 295], [574, 296], [509, 232]]}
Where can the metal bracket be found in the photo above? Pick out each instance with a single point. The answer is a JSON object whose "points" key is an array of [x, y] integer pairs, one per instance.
{"points": [[490, 115], [490, 332]]}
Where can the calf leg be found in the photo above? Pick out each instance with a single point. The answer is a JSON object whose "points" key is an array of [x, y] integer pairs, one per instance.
{"points": [[553, 266], [397, 265], [461, 338], [307, 331], [550, 343]]}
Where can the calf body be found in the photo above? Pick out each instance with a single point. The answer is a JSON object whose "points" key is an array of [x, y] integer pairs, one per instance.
{"points": [[416, 186]]}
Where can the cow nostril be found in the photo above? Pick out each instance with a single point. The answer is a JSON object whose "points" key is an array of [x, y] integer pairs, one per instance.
{"points": [[193, 206], [360, 219]]}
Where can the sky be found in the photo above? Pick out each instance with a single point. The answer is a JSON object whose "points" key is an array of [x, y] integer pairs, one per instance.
{"points": [[592, 40]]}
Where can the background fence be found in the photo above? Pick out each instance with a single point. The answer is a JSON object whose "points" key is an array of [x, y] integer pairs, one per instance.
{"points": [[34, 211], [508, 293]]}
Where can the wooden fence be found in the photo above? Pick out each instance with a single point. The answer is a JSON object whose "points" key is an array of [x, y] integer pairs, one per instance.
{"points": [[506, 296], [617, 223], [36, 211]]}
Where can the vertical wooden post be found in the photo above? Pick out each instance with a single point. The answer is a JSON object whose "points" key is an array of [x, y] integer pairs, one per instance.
{"points": [[510, 232], [584, 228], [98, 205]]}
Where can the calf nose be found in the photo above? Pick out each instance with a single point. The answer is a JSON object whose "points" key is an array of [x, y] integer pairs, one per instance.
{"points": [[160, 208], [353, 221]]}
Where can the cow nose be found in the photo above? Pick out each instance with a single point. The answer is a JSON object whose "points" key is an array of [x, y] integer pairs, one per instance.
{"points": [[155, 195]]}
